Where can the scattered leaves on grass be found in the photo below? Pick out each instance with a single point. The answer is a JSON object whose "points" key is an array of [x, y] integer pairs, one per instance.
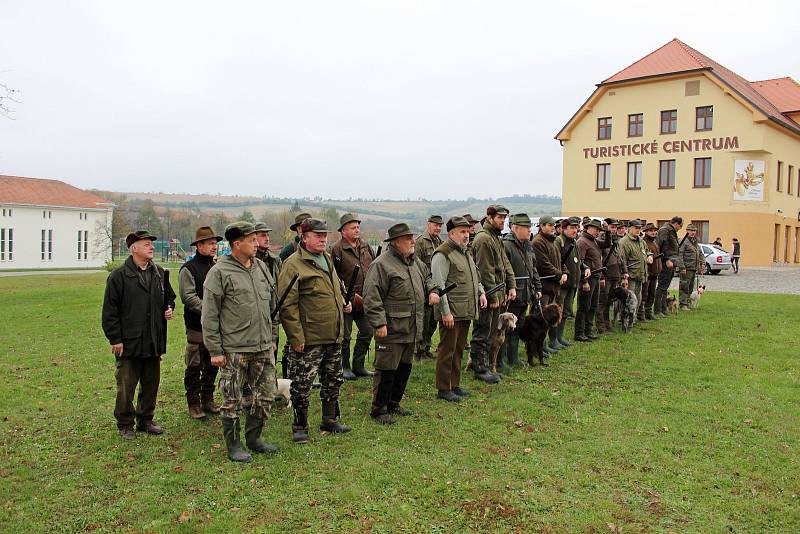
{"points": [[216, 446], [183, 518], [178, 469], [665, 429], [614, 527], [131, 457], [312, 502], [519, 424], [527, 450]]}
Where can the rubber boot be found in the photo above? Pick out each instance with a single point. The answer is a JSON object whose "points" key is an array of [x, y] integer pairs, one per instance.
{"points": [[401, 377], [330, 418], [502, 358], [252, 435], [561, 338], [358, 366], [552, 335], [660, 304], [230, 429], [382, 391], [481, 370], [346, 372], [300, 426], [512, 351]]}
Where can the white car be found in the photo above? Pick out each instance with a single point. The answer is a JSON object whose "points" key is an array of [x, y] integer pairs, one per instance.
{"points": [[716, 259]]}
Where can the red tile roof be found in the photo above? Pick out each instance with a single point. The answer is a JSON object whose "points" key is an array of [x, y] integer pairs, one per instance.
{"points": [[41, 192], [783, 92], [676, 56]]}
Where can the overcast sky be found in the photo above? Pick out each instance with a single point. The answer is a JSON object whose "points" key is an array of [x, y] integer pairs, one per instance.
{"points": [[402, 99]]}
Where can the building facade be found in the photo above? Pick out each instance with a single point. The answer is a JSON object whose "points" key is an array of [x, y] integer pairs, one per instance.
{"points": [[48, 224], [678, 134]]}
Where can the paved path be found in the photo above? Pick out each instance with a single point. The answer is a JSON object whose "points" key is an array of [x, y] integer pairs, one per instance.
{"points": [[781, 280], [40, 273]]}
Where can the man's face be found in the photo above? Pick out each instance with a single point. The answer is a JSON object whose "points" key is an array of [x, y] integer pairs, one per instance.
{"points": [[207, 247], [315, 241], [460, 234], [677, 226], [404, 245], [612, 228], [143, 250], [634, 231], [571, 231], [246, 246], [592, 230], [523, 233], [498, 220], [691, 233], [434, 228], [620, 230], [547, 229], [651, 233], [263, 240], [352, 231]]}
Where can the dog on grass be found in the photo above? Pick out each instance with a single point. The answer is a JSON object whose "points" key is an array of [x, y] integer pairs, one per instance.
{"points": [[625, 304], [535, 327], [282, 396], [505, 324], [672, 304], [694, 298]]}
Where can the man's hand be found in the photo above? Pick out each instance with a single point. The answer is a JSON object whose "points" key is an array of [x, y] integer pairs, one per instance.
{"points": [[625, 276], [299, 348], [587, 273], [538, 295], [512, 294], [381, 331], [447, 321], [650, 260], [219, 361], [348, 308], [168, 314], [585, 287], [117, 350], [274, 348], [493, 305], [602, 283], [482, 301], [670, 265], [564, 278], [434, 299]]}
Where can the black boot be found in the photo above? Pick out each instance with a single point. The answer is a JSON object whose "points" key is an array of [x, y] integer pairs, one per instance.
{"points": [[330, 418], [346, 372], [230, 429], [512, 351], [300, 426], [252, 435], [399, 388], [358, 366], [382, 391], [502, 365], [552, 335], [561, 338]]}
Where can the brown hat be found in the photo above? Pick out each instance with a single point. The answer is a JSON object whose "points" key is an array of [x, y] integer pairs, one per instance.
{"points": [[435, 219], [347, 218], [299, 219], [650, 226], [457, 221], [314, 225], [398, 230], [470, 219], [138, 235], [570, 221], [203, 233], [497, 209]]}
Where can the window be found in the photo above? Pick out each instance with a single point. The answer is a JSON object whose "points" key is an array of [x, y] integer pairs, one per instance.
{"points": [[603, 176], [6, 244], [80, 241], [636, 125], [702, 230], [47, 245], [634, 175], [85, 243], [704, 118], [702, 172], [604, 128], [789, 179], [666, 174], [779, 181], [669, 121]]}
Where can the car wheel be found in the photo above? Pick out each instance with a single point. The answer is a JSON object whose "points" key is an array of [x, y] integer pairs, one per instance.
{"points": [[708, 268], [716, 271]]}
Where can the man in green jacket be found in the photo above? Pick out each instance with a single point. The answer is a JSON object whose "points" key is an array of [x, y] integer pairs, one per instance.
{"points": [[568, 253], [239, 335], [494, 268], [313, 319], [424, 248], [637, 257], [396, 290], [452, 265], [667, 239], [548, 264], [692, 261]]}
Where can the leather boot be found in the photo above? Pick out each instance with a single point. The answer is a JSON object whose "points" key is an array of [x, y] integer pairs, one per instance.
{"points": [[481, 370], [502, 367], [381, 392], [230, 429], [300, 426], [196, 411], [209, 406], [561, 339], [252, 435], [401, 377], [330, 418]]}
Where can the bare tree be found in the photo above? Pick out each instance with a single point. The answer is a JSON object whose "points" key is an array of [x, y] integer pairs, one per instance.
{"points": [[8, 96]]}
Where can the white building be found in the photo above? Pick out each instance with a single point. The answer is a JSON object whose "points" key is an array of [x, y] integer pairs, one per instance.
{"points": [[48, 224]]}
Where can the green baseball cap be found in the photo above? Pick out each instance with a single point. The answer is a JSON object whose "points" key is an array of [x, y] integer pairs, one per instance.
{"points": [[497, 209], [238, 230]]}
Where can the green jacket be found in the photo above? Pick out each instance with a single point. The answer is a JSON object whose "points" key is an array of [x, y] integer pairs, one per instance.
{"points": [[667, 239], [313, 312], [690, 255], [236, 307], [492, 262], [452, 264], [425, 246], [289, 248], [523, 262], [634, 253], [548, 262], [395, 294], [571, 262]]}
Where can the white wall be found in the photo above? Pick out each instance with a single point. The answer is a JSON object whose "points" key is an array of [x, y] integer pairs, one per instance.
{"points": [[28, 223]]}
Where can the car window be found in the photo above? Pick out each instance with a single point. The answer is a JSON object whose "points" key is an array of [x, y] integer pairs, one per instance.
{"points": [[706, 250]]}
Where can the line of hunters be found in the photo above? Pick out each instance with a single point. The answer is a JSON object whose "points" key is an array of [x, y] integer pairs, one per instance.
{"points": [[234, 304]]}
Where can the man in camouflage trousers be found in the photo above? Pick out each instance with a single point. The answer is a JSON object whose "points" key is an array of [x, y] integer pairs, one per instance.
{"points": [[239, 335], [424, 248], [396, 290], [313, 319], [637, 257]]}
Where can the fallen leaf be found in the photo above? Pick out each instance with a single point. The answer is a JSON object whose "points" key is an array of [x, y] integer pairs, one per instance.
{"points": [[184, 517], [131, 457], [216, 446], [518, 424], [748, 421], [234, 509], [527, 450], [178, 469], [312, 502], [665, 429], [252, 481], [691, 353]]}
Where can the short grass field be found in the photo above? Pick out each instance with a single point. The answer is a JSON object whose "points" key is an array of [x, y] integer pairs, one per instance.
{"points": [[690, 424]]}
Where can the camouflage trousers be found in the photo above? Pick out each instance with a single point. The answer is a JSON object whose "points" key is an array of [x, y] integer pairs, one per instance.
{"points": [[257, 371], [303, 368], [686, 286]]}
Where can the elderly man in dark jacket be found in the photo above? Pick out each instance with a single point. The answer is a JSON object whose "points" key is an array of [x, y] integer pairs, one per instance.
{"points": [[549, 265], [667, 239], [397, 288], [649, 288], [138, 301], [589, 245]]}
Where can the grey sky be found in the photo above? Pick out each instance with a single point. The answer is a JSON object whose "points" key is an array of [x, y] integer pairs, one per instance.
{"points": [[440, 99]]}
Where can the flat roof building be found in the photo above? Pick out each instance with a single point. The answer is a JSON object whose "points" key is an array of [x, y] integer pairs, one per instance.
{"points": [[676, 133]]}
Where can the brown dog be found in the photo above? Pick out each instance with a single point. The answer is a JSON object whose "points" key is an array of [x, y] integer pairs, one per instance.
{"points": [[535, 327], [505, 324]]}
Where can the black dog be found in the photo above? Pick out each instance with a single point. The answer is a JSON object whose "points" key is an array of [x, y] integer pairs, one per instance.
{"points": [[625, 306], [534, 330]]}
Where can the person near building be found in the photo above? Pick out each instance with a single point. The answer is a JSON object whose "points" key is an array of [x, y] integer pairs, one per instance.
{"points": [[424, 247], [137, 304], [451, 264], [349, 252], [667, 240], [636, 256], [576, 270], [692, 262], [589, 253], [313, 319], [397, 289], [552, 272], [649, 287], [199, 378], [736, 254], [614, 274]]}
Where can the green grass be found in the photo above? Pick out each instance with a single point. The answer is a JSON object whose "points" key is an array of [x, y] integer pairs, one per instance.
{"points": [[689, 425]]}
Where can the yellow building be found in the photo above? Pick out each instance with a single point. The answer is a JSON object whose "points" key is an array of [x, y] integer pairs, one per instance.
{"points": [[678, 134]]}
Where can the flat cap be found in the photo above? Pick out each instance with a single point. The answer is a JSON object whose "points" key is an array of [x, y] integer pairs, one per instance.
{"points": [[691, 227], [586, 220], [238, 230], [635, 222], [314, 225], [547, 219], [470, 218], [611, 220], [436, 219], [570, 221], [203, 233], [138, 235], [521, 219], [298, 219], [347, 218], [262, 227], [398, 230], [496, 209], [457, 221]]}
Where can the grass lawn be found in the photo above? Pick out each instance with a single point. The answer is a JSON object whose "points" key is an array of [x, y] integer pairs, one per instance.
{"points": [[690, 424]]}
